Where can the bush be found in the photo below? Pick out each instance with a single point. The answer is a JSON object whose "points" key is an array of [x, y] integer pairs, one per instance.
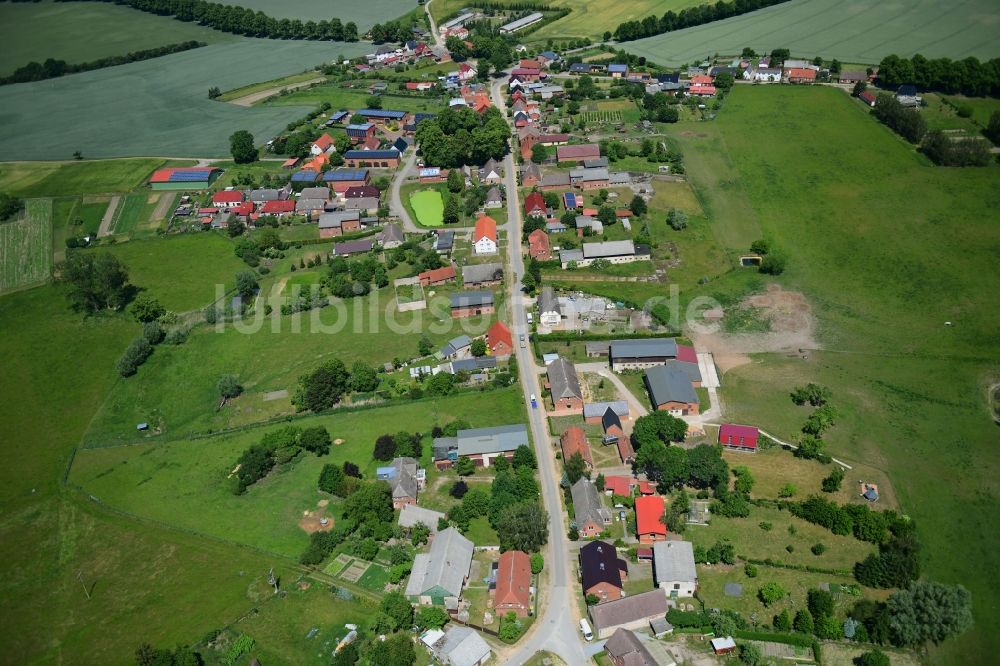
{"points": [[146, 308], [772, 264], [771, 593], [818, 549], [229, 386], [750, 570], [135, 355], [178, 336], [153, 332]]}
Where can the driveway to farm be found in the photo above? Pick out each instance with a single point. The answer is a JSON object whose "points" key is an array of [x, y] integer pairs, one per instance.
{"points": [[261, 95], [556, 629], [396, 206], [438, 40], [109, 217]]}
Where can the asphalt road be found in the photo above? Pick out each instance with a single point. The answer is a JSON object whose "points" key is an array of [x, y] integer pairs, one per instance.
{"points": [[557, 629], [396, 206]]}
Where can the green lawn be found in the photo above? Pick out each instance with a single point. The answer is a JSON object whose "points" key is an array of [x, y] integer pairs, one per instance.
{"points": [[429, 207], [174, 481], [982, 107], [340, 97], [91, 215], [132, 211], [881, 284], [375, 578], [26, 246], [814, 27], [66, 31], [47, 179], [181, 271]]}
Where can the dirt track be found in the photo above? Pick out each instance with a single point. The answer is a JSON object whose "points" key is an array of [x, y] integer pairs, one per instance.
{"points": [[260, 96]]}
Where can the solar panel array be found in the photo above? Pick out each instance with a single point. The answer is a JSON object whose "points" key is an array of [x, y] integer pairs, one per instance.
{"points": [[345, 174], [570, 200], [189, 176]]}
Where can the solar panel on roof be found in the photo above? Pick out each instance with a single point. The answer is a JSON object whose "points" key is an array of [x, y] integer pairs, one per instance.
{"points": [[189, 176]]}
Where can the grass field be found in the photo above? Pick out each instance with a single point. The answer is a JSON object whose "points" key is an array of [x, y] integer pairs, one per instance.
{"points": [[49, 179], [881, 286], [181, 271], [174, 481], [67, 31], [346, 98], [429, 207], [164, 101], [865, 34], [243, 91], [26, 246], [132, 210]]}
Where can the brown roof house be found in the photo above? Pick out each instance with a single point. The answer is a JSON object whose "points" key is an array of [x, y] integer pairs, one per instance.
{"points": [[564, 385], [602, 572], [632, 612], [512, 591], [625, 649], [592, 517], [573, 441]]}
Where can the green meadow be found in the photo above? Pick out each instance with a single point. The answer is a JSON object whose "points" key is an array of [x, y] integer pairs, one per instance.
{"points": [[63, 179], [869, 230], [428, 206], [866, 33], [174, 481], [36, 31], [26, 246]]}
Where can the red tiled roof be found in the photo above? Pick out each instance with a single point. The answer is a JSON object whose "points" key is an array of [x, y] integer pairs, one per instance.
{"points": [[686, 354], [738, 435], [526, 71], [499, 333], [553, 138], [324, 142], [317, 164], [244, 208], [534, 201], [700, 79], [530, 64], [625, 450], [619, 485], [538, 243], [272, 207], [486, 227], [574, 440], [868, 96], [227, 196], [589, 211], [289, 163], [623, 212], [648, 511], [208, 211], [801, 73], [584, 151], [513, 579], [438, 274], [702, 90]]}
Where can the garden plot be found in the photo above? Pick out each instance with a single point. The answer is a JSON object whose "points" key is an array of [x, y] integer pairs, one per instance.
{"points": [[26, 246]]}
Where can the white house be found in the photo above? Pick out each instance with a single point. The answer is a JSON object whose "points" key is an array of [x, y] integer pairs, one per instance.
{"points": [[484, 238], [762, 74], [549, 313], [673, 568], [466, 72]]}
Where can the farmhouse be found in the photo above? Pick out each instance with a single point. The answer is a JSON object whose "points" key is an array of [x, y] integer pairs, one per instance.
{"points": [[538, 245], [441, 573], [458, 347], [553, 139], [549, 311], [593, 412], [360, 192], [386, 159], [227, 199], [564, 385], [462, 646], [632, 612], [618, 70], [494, 199], [471, 303], [578, 153], [556, 180], [531, 174], [602, 571], [589, 179], [648, 512], [342, 179], [491, 172], [367, 205], [615, 252], [499, 340], [339, 223], [574, 440], [739, 437], [444, 241], [800, 75], [673, 568], [361, 132], [268, 194], [352, 247], [625, 649], [405, 478], [323, 144], [512, 590], [310, 207], [437, 276], [391, 236], [484, 238], [482, 275], [762, 74], [702, 90], [534, 205], [851, 78], [670, 390], [626, 486], [639, 354], [592, 517], [411, 514], [278, 208], [482, 445], [184, 178]]}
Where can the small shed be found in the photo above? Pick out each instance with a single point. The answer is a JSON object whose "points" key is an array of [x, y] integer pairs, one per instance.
{"points": [[723, 645]]}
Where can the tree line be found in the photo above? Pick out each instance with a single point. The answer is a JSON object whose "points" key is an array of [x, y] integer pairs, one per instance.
{"points": [[52, 68], [942, 149], [968, 76], [688, 18], [242, 21]]}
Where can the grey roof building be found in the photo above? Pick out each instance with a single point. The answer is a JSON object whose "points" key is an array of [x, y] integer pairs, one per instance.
{"points": [[456, 347], [336, 219], [586, 175], [473, 364], [608, 249], [315, 193], [690, 369], [492, 440], [494, 198], [548, 303], [352, 247], [669, 384], [362, 203], [304, 205], [587, 504], [403, 477], [444, 241], [673, 561], [482, 273], [631, 612], [659, 349], [470, 299], [411, 514], [463, 646], [555, 179], [596, 163], [595, 410], [625, 648], [391, 236], [441, 572], [563, 380]]}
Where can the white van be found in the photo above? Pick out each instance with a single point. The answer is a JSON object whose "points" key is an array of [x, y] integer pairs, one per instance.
{"points": [[585, 630]]}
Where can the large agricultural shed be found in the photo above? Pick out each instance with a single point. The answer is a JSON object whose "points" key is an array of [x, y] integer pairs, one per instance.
{"points": [[863, 32], [159, 106]]}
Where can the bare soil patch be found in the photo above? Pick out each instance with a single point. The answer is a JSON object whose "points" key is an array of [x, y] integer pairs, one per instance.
{"points": [[312, 521]]}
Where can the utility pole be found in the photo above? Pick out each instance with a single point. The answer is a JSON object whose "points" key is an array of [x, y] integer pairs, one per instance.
{"points": [[79, 577]]}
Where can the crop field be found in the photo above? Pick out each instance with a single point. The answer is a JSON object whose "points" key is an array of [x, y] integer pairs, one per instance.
{"points": [[174, 481], [364, 14], [79, 32], [163, 101], [182, 271], [864, 32], [881, 292], [26, 246], [429, 207], [602, 116], [345, 98], [61, 179]]}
